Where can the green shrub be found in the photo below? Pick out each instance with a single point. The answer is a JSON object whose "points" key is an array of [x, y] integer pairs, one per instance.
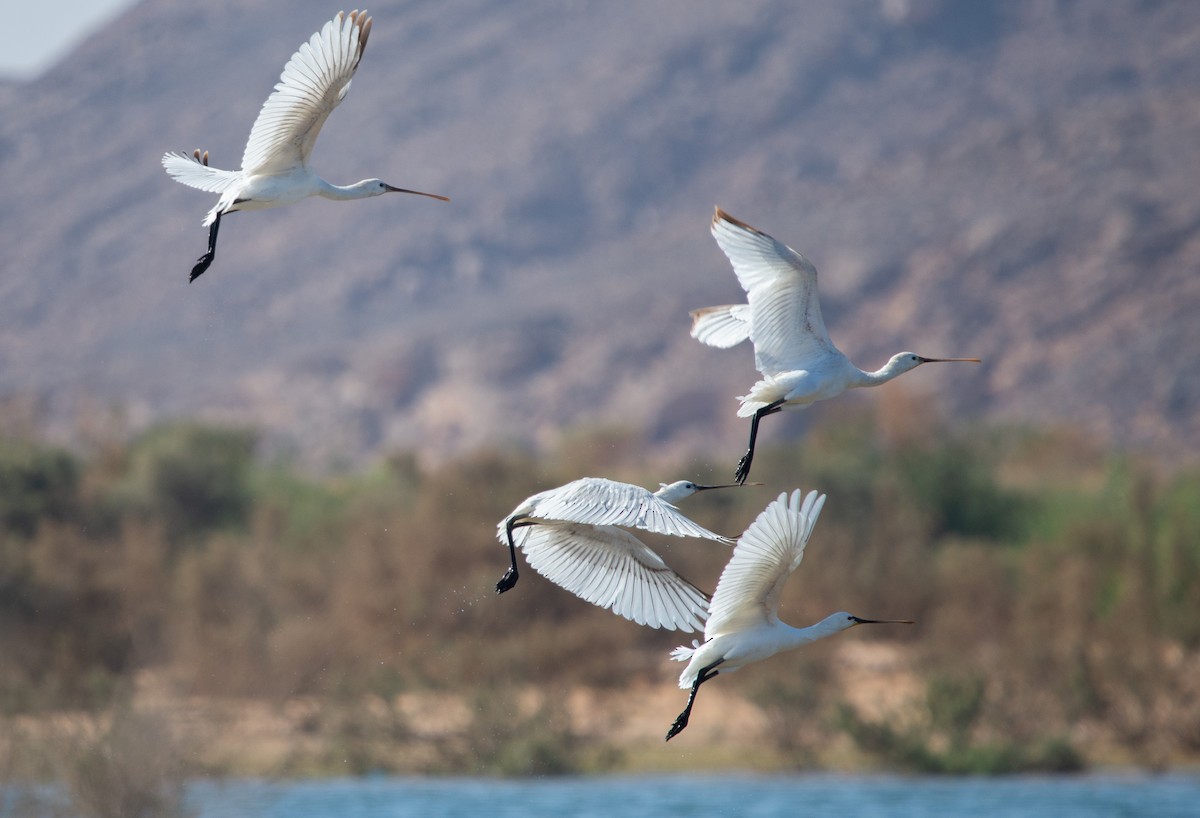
{"points": [[37, 484], [192, 478], [955, 483]]}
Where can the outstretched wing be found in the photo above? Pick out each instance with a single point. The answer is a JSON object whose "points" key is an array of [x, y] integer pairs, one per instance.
{"points": [[765, 556], [312, 84], [598, 501], [609, 567], [785, 315]]}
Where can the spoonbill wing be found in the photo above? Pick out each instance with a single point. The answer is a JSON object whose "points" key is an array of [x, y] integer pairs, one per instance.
{"points": [[724, 327], [786, 326], [609, 567], [312, 84], [598, 501], [765, 556]]}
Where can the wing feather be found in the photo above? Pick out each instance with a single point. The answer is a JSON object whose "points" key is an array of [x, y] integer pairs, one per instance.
{"points": [[765, 556], [610, 568], [785, 323], [599, 501], [313, 82]]}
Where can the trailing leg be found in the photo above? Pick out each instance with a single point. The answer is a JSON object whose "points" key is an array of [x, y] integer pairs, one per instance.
{"points": [[681, 721], [510, 576], [743, 466], [205, 260]]}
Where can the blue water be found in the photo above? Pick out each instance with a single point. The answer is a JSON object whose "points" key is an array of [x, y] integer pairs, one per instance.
{"points": [[1090, 796]]}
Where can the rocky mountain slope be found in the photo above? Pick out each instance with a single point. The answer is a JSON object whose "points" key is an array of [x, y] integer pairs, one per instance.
{"points": [[1018, 181]]}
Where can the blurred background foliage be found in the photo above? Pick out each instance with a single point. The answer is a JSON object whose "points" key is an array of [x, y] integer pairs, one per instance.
{"points": [[1054, 584]]}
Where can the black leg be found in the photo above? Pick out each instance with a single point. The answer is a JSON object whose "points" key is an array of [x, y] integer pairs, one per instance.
{"points": [[743, 466], [510, 577], [205, 260], [681, 720]]}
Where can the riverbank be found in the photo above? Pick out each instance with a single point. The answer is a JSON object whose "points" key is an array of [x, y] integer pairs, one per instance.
{"points": [[523, 730]]}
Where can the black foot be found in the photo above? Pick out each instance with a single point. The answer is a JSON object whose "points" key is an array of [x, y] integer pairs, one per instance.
{"points": [[677, 727], [507, 582], [201, 265], [743, 470]]}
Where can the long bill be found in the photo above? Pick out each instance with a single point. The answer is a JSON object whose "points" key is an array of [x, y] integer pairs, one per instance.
{"points": [[724, 486], [391, 189], [949, 360], [858, 621]]}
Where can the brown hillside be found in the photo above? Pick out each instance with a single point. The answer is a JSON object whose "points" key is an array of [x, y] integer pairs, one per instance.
{"points": [[1018, 181]]}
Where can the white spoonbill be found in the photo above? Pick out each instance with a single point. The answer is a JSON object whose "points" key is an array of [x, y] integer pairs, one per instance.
{"points": [[792, 350], [571, 536], [743, 618], [275, 169]]}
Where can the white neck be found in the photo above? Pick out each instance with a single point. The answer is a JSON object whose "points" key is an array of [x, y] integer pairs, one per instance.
{"points": [[359, 190], [885, 373], [834, 623], [804, 636]]}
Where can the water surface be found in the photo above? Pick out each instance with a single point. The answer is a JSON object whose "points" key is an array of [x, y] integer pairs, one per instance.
{"points": [[1091, 796]]}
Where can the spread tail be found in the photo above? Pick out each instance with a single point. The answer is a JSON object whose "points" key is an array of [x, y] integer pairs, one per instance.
{"points": [[683, 653], [725, 326], [192, 172]]}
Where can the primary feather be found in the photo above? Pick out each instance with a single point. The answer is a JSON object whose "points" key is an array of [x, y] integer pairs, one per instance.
{"points": [[785, 322], [312, 84], [765, 556], [609, 567]]}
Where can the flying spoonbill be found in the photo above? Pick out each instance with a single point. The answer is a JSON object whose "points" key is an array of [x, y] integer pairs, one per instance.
{"points": [[743, 619], [275, 169], [792, 350], [571, 536]]}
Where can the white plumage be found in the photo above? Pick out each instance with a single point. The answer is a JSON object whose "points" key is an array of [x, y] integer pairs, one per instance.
{"points": [[771, 548], [275, 169], [572, 536], [792, 350], [743, 618], [609, 567], [724, 327]]}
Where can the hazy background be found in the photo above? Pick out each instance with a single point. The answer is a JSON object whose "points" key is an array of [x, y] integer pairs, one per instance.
{"points": [[34, 38], [1015, 181], [247, 524]]}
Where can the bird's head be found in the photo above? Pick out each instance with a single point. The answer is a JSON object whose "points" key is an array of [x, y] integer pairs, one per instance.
{"points": [[842, 621], [904, 361], [670, 492], [375, 187]]}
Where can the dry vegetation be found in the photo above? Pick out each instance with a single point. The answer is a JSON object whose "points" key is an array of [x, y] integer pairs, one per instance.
{"points": [[241, 617]]}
